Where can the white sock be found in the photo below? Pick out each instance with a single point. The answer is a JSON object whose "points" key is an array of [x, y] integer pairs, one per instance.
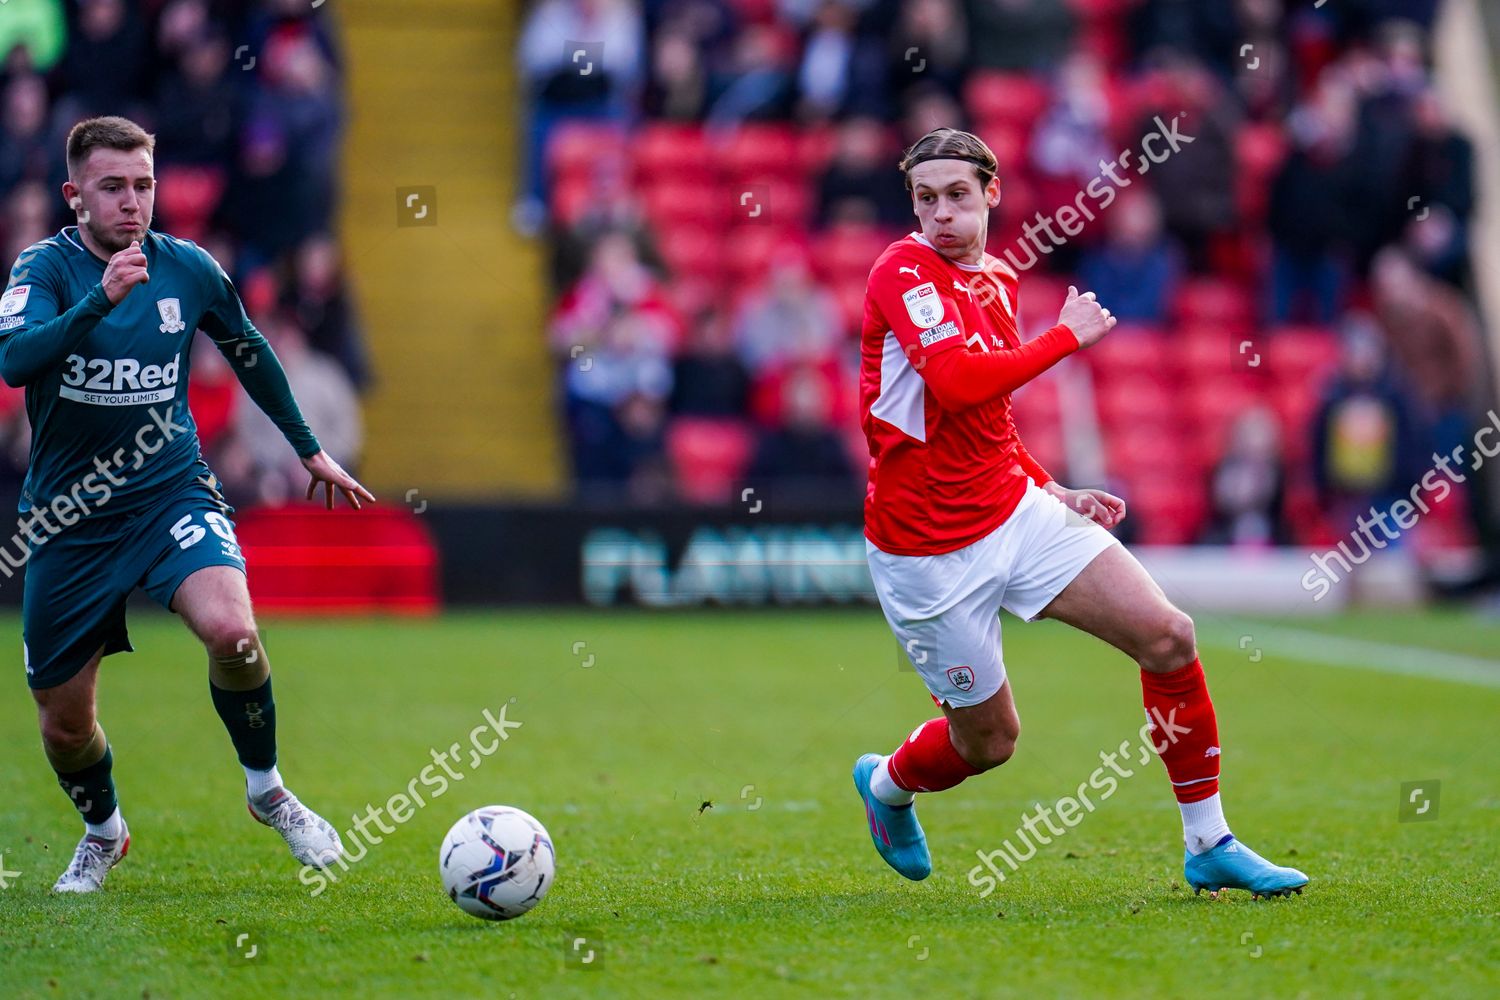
{"points": [[884, 788], [111, 829], [258, 783], [1203, 823]]}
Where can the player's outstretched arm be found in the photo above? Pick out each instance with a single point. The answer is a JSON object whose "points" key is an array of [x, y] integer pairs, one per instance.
{"points": [[325, 470]]}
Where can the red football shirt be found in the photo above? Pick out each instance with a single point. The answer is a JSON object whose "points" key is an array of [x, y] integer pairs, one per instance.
{"points": [[946, 464]]}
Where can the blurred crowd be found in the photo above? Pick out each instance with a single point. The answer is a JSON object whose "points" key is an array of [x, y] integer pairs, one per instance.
{"points": [[1298, 331], [245, 100]]}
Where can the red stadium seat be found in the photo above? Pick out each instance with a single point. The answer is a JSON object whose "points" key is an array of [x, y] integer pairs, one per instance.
{"points": [[708, 456], [1303, 352], [664, 150], [1014, 97], [1171, 508], [187, 197], [674, 200], [1007, 139], [748, 251], [848, 252], [691, 250], [1214, 300], [578, 148], [760, 151]]}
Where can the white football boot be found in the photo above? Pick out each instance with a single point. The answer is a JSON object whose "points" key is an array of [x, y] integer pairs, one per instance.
{"points": [[312, 838], [92, 861]]}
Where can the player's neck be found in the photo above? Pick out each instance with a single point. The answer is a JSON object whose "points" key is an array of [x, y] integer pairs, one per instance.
{"points": [[93, 246]]}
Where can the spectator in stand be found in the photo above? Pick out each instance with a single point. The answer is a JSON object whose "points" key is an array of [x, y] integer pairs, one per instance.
{"points": [[823, 76], [1196, 186], [317, 298], [26, 151], [1385, 133], [1206, 32], [803, 454], [28, 217], [1440, 176], [927, 107], [678, 88], [614, 335], [759, 82], [557, 88], [790, 319], [1369, 445], [1247, 489], [1310, 210], [708, 379], [857, 186], [1138, 267], [1019, 35], [1434, 337], [930, 45], [1071, 139], [328, 401], [37, 30], [107, 68], [200, 106]]}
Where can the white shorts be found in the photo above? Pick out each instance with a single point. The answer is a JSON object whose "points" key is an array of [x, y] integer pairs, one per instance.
{"points": [[945, 609]]}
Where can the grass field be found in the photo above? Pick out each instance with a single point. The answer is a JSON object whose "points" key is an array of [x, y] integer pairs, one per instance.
{"points": [[775, 889]]}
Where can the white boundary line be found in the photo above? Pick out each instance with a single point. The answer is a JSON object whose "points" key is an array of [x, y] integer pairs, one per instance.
{"points": [[1343, 651]]}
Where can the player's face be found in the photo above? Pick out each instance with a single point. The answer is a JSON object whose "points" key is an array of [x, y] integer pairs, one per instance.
{"points": [[953, 208], [114, 196]]}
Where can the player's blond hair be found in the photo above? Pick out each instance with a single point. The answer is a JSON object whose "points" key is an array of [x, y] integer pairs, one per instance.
{"points": [[109, 132], [951, 144]]}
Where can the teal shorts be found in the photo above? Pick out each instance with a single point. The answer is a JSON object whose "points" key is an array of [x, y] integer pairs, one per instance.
{"points": [[77, 580]]}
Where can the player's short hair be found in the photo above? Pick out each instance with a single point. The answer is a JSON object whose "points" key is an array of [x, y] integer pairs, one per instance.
{"points": [[951, 144], [109, 132]]}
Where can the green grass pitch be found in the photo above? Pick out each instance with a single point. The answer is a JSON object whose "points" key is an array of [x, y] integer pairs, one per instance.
{"points": [[631, 722]]}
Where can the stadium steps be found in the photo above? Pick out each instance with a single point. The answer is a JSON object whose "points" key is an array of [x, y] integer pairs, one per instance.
{"points": [[454, 312]]}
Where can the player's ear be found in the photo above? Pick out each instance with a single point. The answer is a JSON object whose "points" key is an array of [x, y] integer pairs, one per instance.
{"points": [[992, 192], [70, 195]]}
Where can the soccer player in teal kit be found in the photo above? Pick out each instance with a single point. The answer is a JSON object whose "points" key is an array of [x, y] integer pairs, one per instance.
{"points": [[96, 322]]}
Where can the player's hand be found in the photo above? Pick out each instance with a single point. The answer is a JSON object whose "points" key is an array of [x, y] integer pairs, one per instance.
{"points": [[1104, 509], [124, 271], [1088, 320], [328, 472]]}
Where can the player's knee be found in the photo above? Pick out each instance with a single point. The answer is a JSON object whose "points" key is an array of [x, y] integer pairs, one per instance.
{"points": [[991, 748], [65, 733], [1173, 643], [228, 636]]}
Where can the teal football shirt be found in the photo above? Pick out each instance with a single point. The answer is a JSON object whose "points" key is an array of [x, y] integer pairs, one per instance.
{"points": [[106, 386]]}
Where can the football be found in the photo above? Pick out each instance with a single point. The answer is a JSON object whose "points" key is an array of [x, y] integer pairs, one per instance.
{"points": [[497, 862]]}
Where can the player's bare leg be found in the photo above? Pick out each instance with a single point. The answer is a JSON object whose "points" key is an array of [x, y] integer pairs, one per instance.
{"points": [[1115, 599], [938, 755], [79, 753], [215, 604]]}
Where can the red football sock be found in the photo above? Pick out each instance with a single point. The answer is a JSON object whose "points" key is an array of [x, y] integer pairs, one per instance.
{"points": [[1184, 732], [927, 762]]}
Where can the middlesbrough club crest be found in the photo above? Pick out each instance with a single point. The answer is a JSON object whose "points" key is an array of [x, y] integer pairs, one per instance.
{"points": [[961, 678], [171, 316]]}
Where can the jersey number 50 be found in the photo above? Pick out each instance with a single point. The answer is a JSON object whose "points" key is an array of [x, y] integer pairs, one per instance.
{"points": [[188, 534]]}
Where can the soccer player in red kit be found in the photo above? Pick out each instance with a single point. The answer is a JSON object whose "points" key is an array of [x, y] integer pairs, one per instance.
{"points": [[960, 522]]}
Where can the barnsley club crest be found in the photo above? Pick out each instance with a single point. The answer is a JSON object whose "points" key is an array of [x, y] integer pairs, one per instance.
{"points": [[171, 316], [961, 678]]}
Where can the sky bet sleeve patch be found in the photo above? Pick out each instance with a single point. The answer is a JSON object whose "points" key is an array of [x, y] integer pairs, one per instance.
{"points": [[923, 305], [14, 300]]}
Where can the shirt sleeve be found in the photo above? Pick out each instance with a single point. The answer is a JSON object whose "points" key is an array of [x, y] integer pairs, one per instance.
{"points": [[36, 333], [253, 361], [926, 322], [1029, 465]]}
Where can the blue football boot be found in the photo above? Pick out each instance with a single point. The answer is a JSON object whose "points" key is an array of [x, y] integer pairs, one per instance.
{"points": [[1232, 865], [897, 834]]}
